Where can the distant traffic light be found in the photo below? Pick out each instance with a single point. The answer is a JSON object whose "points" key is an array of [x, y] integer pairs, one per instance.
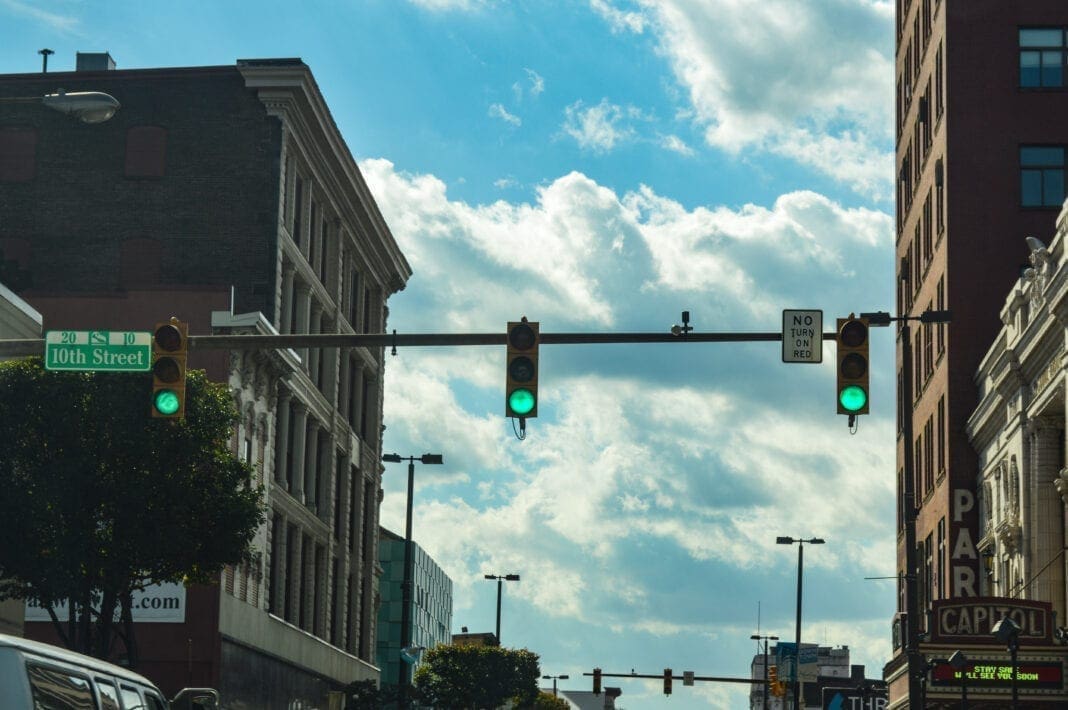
{"points": [[521, 386], [667, 681], [853, 366], [170, 342], [775, 686], [596, 681]]}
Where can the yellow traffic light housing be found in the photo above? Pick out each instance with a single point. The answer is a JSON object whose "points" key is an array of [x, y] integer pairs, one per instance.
{"points": [[521, 382], [170, 343], [853, 366]]}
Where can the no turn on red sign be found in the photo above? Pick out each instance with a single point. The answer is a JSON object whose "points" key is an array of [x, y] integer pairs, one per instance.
{"points": [[802, 336]]}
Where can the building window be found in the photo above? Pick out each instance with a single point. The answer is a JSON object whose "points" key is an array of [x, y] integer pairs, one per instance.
{"points": [[1041, 176], [18, 154], [146, 147], [1042, 54]]}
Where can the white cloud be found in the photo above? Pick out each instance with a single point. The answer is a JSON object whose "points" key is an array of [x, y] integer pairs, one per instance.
{"points": [[619, 20], [676, 145], [450, 5], [499, 111], [810, 81], [63, 24], [599, 128], [537, 82]]}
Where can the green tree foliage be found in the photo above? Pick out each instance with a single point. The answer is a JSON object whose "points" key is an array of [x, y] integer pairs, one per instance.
{"points": [[100, 500], [546, 701], [477, 677]]}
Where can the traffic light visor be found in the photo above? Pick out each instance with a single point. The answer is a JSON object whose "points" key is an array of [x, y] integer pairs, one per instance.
{"points": [[521, 369], [168, 337], [522, 337], [853, 334], [521, 401], [853, 398], [166, 402]]}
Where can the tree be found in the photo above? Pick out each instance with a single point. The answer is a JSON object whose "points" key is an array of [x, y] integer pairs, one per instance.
{"points": [[100, 500], [477, 677], [548, 701]]}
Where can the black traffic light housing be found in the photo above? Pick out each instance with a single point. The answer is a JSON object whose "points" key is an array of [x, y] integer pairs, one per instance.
{"points": [[521, 377], [667, 681], [170, 343], [596, 681], [853, 366]]}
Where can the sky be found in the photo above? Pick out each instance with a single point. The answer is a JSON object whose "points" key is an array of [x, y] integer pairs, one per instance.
{"points": [[602, 166]]}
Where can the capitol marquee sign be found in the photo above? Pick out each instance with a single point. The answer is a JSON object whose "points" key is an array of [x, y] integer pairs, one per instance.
{"points": [[972, 620]]}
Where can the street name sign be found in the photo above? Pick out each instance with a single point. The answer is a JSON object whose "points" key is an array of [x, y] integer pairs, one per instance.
{"points": [[802, 336], [98, 350]]}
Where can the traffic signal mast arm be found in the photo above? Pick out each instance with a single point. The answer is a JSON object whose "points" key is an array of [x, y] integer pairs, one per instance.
{"points": [[35, 346], [660, 676]]}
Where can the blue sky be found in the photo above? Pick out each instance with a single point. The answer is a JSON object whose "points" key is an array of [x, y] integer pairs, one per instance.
{"points": [[603, 165]]}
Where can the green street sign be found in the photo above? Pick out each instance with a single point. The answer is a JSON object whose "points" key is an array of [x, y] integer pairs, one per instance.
{"points": [[106, 350]]}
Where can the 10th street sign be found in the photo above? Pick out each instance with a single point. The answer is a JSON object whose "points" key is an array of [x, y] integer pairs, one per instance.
{"points": [[106, 350], [802, 336]]}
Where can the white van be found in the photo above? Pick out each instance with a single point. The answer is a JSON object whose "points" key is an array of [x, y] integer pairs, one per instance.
{"points": [[38, 676]]}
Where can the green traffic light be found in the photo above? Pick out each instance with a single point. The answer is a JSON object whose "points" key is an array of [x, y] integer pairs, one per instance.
{"points": [[853, 398], [166, 402], [521, 402]]}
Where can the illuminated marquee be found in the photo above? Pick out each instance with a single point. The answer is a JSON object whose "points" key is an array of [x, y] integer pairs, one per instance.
{"points": [[998, 674]]}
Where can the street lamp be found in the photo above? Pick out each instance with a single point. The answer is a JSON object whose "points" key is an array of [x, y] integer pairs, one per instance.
{"points": [[565, 676], [1008, 632], [500, 579], [404, 670], [758, 638], [960, 663], [797, 630], [86, 106], [908, 489]]}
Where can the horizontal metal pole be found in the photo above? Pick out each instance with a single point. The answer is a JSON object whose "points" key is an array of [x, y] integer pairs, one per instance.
{"points": [[35, 346], [660, 676]]}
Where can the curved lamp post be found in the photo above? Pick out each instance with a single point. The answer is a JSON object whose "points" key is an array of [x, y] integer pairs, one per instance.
{"points": [[1008, 632], [86, 106]]}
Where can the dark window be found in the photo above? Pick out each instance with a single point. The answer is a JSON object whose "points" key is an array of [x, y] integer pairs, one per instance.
{"points": [[18, 151], [146, 148], [298, 204], [1042, 56], [1041, 176], [57, 689]]}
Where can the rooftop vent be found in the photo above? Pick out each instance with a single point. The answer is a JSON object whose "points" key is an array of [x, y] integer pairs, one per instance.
{"points": [[93, 61]]}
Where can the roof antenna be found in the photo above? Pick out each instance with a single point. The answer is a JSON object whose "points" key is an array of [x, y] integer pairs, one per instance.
{"points": [[44, 59]]}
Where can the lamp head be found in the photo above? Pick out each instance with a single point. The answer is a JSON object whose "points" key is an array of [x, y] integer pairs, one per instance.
{"points": [[512, 577], [784, 540], [958, 660], [431, 458], [86, 106], [817, 541], [391, 458], [1006, 630]]}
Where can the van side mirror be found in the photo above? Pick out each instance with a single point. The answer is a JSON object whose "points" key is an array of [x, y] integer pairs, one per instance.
{"points": [[204, 697]]}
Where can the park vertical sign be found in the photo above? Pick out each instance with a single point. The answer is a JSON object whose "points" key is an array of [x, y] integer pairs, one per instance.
{"points": [[802, 336]]}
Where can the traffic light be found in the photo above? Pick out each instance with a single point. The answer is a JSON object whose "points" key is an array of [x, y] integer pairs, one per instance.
{"points": [[775, 686], [667, 681], [521, 387], [170, 342], [853, 367], [596, 681]]}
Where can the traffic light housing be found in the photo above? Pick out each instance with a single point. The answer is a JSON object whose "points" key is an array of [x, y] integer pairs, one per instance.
{"points": [[853, 365], [521, 384], [596, 681], [775, 686], [667, 681], [170, 343]]}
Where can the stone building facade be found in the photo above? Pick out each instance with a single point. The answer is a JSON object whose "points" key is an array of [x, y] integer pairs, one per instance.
{"points": [[227, 197]]}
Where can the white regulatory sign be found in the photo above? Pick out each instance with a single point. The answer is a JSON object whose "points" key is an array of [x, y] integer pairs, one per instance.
{"points": [[802, 336]]}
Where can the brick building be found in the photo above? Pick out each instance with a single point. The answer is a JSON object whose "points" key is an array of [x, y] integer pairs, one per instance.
{"points": [[227, 197], [982, 130]]}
